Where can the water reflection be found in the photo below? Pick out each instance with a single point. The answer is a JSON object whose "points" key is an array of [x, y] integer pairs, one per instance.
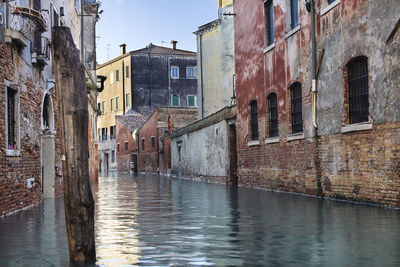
{"points": [[152, 220]]}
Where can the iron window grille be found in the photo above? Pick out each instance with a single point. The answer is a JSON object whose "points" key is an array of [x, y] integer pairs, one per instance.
{"points": [[273, 115], [269, 22], [11, 122], [358, 90], [254, 120], [297, 108]]}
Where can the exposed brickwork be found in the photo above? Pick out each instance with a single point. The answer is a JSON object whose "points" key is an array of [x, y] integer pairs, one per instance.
{"points": [[156, 158], [14, 171], [359, 165]]}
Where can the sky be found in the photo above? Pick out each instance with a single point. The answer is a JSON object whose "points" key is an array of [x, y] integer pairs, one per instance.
{"points": [[140, 22]]}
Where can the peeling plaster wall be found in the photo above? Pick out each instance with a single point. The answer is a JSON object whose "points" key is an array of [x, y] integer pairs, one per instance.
{"points": [[218, 55], [351, 30], [203, 152]]}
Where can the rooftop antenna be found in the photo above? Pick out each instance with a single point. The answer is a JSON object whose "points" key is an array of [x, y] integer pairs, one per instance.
{"points": [[108, 52]]}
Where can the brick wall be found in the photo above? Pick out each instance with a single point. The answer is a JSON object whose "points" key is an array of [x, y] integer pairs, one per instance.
{"points": [[358, 165]]}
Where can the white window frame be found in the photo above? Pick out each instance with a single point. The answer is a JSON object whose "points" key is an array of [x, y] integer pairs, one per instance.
{"points": [[177, 68], [195, 101], [194, 72], [111, 77], [172, 101]]}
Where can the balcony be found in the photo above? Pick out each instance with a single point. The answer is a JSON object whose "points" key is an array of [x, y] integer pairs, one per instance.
{"points": [[41, 50]]}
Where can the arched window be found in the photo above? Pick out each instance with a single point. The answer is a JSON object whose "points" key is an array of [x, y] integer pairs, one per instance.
{"points": [[357, 70], [254, 120], [297, 108], [273, 115]]}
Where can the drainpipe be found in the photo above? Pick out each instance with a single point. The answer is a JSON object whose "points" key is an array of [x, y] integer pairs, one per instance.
{"points": [[201, 75], [314, 67]]}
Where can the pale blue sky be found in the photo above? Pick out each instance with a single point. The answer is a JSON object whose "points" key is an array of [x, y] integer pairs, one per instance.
{"points": [[140, 22]]}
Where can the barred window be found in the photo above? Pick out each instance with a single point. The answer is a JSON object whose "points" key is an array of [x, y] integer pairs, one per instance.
{"points": [[11, 121], [273, 115], [254, 120], [358, 89], [297, 108]]}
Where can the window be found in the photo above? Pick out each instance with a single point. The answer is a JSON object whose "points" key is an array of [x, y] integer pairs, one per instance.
{"points": [[78, 5], [103, 107], [254, 120], [152, 141], [358, 90], [112, 132], [127, 71], [118, 147], [128, 100], [112, 104], [269, 22], [294, 13], [98, 107], [192, 101], [99, 134], [56, 21], [174, 72], [112, 156], [273, 115], [297, 108], [331, 1], [126, 146], [179, 152], [117, 103], [142, 143], [103, 134], [12, 117], [191, 73], [175, 101], [117, 75], [112, 77]]}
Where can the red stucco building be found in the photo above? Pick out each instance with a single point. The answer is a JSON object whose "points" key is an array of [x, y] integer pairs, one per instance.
{"points": [[353, 153]]}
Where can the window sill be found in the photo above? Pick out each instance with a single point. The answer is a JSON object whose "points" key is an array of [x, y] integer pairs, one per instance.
{"points": [[364, 126], [328, 8], [272, 140], [292, 31], [253, 143], [269, 48], [13, 153], [297, 136]]}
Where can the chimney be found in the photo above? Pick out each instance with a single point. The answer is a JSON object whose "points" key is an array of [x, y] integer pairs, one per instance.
{"points": [[123, 49], [174, 44]]}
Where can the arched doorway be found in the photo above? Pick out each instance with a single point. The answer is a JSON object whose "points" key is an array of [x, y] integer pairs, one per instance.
{"points": [[48, 147]]}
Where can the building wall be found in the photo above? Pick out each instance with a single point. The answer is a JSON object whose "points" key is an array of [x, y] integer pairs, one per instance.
{"points": [[216, 62], [148, 158], [127, 131], [35, 163], [112, 89], [158, 158], [152, 84], [335, 164]]}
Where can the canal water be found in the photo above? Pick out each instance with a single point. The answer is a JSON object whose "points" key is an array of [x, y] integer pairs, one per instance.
{"points": [[161, 221]]}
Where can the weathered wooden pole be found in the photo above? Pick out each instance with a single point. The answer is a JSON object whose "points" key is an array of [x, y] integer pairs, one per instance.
{"points": [[73, 121]]}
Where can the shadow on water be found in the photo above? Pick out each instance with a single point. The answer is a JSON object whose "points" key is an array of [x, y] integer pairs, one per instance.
{"points": [[155, 220]]}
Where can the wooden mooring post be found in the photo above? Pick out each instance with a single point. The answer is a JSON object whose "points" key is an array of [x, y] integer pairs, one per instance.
{"points": [[72, 102]]}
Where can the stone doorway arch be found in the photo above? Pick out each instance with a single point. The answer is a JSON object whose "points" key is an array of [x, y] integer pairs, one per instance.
{"points": [[48, 147]]}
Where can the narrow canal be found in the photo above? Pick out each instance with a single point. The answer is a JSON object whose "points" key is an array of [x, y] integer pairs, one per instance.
{"points": [[155, 220]]}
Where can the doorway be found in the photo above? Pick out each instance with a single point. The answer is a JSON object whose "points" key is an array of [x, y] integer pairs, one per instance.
{"points": [[47, 147], [134, 166], [232, 179]]}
